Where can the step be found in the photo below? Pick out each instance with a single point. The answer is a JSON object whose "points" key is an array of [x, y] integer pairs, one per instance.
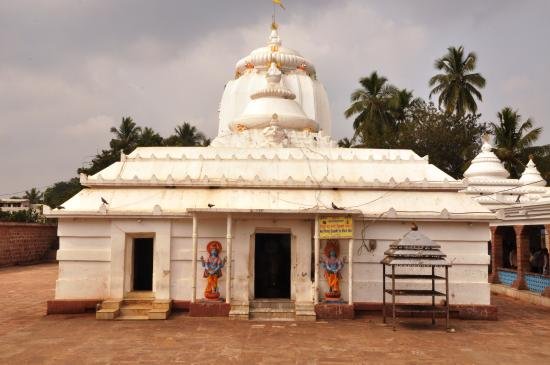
{"points": [[158, 313], [111, 304], [134, 310], [273, 316], [132, 318], [275, 304], [142, 302], [107, 313], [272, 310]]}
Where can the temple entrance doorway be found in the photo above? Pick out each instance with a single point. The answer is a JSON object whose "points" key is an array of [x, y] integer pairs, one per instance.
{"points": [[272, 265], [143, 264]]}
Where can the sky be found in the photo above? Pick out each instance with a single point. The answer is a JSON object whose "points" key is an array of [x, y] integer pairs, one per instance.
{"points": [[71, 69]]}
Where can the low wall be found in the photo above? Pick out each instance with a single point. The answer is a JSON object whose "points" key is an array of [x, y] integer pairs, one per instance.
{"points": [[25, 243]]}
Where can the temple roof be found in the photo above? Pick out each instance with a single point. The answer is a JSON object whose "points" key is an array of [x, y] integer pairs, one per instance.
{"points": [[345, 168]]}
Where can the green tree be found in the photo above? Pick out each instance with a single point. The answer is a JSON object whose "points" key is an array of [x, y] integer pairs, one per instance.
{"points": [[515, 139], [457, 85], [450, 141], [400, 102], [61, 191], [370, 104], [345, 143], [149, 138], [34, 196], [186, 135], [127, 136], [101, 161]]}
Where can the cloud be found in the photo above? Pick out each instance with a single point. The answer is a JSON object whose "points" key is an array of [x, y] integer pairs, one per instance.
{"points": [[100, 124]]}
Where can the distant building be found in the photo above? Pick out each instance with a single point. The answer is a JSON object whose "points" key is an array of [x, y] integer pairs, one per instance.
{"points": [[14, 204]]}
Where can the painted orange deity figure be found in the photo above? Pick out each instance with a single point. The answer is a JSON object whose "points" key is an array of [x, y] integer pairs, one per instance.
{"points": [[332, 265], [213, 269]]}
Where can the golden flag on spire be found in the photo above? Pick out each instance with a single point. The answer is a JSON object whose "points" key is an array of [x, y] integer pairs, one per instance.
{"points": [[279, 2]]}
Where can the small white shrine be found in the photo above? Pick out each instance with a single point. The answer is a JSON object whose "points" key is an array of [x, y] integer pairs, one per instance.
{"points": [[287, 224], [520, 234]]}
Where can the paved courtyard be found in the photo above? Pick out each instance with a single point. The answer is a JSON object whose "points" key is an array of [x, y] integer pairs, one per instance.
{"points": [[27, 336]]}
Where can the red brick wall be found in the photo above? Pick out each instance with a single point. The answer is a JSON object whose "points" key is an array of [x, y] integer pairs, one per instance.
{"points": [[24, 243]]}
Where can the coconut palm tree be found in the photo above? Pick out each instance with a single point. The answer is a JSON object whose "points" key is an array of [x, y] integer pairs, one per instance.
{"points": [[457, 85], [126, 136], [34, 196], [400, 101], [514, 140], [370, 105], [149, 138], [186, 135]]}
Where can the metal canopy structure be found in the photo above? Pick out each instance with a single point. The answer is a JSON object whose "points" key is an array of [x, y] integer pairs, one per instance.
{"points": [[415, 250]]}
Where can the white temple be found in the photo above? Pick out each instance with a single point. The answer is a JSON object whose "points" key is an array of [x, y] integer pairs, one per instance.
{"points": [[263, 189]]}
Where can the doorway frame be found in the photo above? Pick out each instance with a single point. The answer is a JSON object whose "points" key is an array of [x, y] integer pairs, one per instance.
{"points": [[252, 258], [129, 261]]}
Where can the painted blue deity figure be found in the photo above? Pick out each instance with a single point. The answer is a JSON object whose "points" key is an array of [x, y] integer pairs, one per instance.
{"points": [[332, 265], [213, 266]]}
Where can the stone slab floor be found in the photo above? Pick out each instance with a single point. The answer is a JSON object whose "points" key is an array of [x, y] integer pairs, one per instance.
{"points": [[27, 336]]}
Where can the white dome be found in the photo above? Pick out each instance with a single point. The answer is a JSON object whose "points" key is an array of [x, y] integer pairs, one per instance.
{"points": [[310, 104], [486, 165], [273, 100], [531, 176]]}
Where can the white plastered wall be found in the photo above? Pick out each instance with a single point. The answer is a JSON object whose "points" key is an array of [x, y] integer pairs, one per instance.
{"points": [[93, 254], [84, 257], [465, 245], [182, 255]]}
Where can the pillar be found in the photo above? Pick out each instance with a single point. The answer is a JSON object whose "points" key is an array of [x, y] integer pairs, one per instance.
{"points": [[496, 254], [546, 292], [195, 238], [350, 272], [316, 243], [229, 240], [522, 250]]}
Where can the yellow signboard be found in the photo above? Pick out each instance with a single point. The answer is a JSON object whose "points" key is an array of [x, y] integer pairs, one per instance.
{"points": [[335, 227]]}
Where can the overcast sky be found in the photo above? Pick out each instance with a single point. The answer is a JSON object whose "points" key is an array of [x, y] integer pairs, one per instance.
{"points": [[70, 69]]}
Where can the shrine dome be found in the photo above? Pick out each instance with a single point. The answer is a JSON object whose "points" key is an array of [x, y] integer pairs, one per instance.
{"points": [[531, 175], [486, 165], [274, 81]]}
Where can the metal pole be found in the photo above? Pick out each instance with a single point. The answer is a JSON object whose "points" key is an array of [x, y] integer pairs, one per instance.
{"points": [[393, 293], [316, 258], [433, 295], [384, 292], [229, 240], [447, 295], [350, 272], [195, 238]]}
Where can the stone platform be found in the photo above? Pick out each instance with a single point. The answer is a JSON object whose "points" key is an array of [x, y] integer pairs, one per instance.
{"points": [[206, 308], [334, 311]]}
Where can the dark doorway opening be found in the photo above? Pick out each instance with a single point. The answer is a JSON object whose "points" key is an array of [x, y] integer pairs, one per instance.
{"points": [[272, 265], [143, 264]]}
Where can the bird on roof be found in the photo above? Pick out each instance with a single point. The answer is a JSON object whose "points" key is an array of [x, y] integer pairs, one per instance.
{"points": [[104, 201], [210, 205], [414, 227], [334, 206]]}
